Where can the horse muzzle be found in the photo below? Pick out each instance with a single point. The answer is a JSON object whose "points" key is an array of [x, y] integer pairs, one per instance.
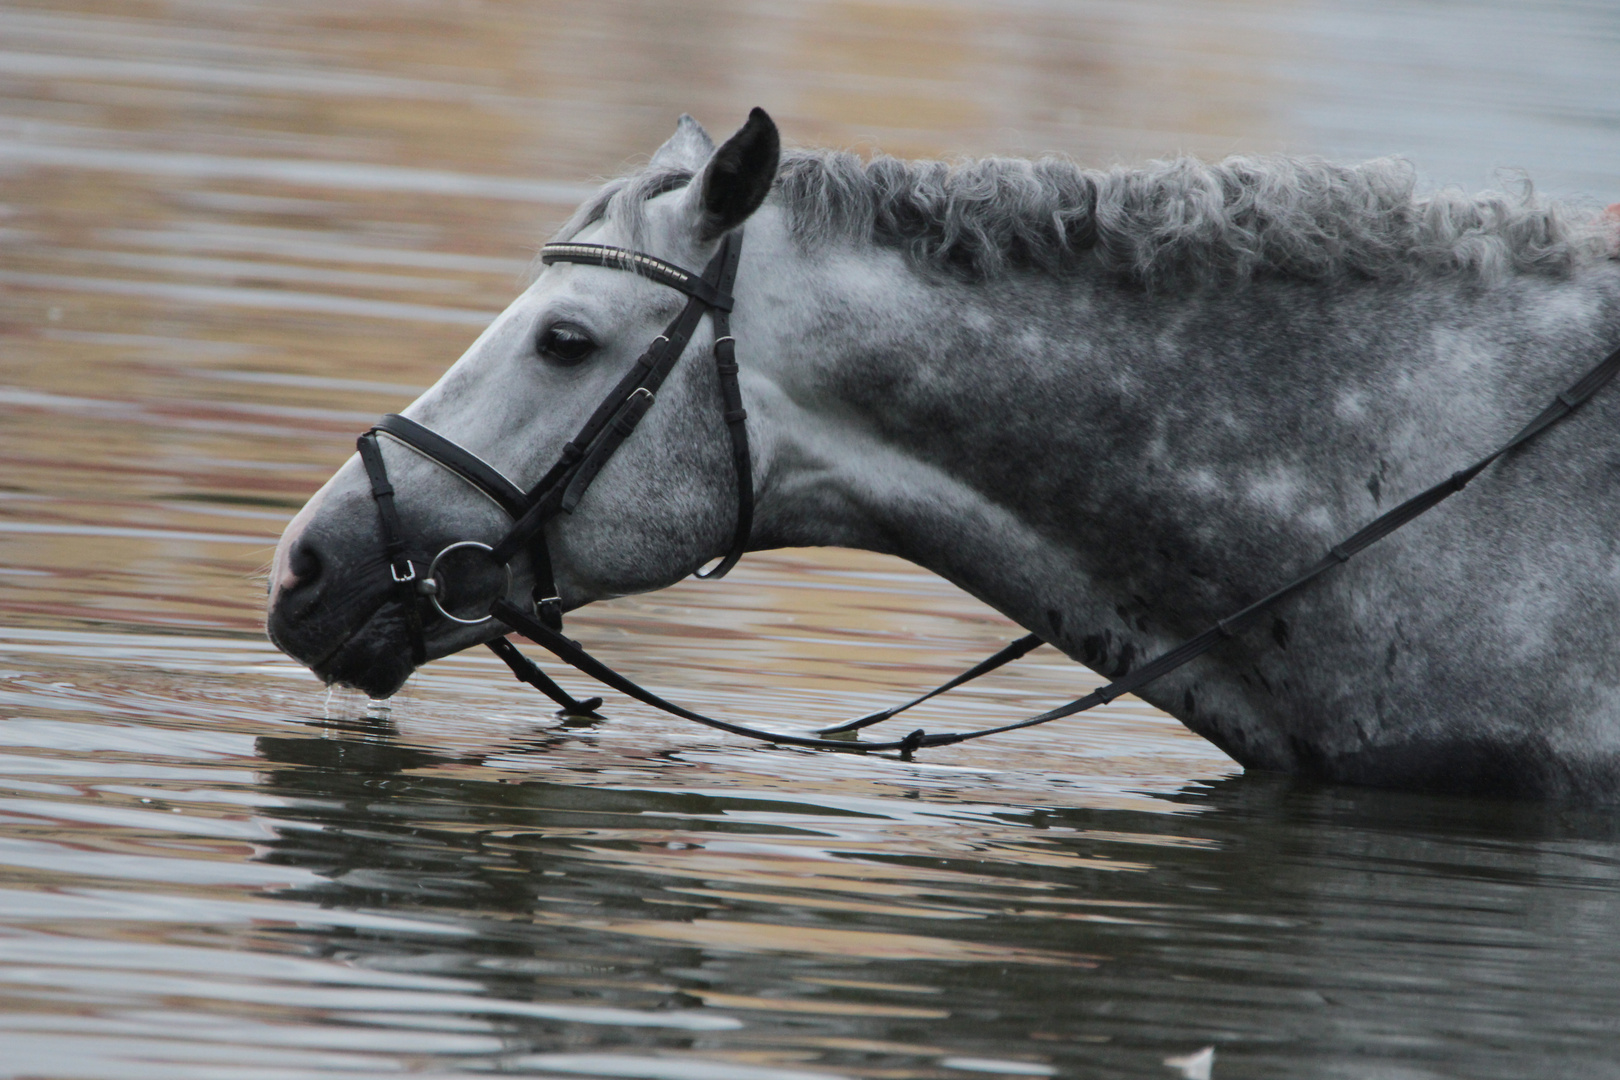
{"points": [[353, 618]]}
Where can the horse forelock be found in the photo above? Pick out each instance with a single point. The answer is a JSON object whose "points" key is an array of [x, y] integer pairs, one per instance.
{"points": [[624, 201]]}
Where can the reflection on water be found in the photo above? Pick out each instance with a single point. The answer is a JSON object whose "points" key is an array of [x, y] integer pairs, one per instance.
{"points": [[199, 876], [230, 236]]}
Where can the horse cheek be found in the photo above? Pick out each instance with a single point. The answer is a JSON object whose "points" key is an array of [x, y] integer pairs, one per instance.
{"points": [[649, 521]]}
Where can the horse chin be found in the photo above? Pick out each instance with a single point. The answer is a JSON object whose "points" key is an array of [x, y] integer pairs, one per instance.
{"points": [[375, 659]]}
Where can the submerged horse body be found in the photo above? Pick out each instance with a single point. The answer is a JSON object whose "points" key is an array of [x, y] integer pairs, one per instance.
{"points": [[1116, 407]]}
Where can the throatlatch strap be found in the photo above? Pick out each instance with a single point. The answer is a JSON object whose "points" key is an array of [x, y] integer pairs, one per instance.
{"points": [[736, 417]]}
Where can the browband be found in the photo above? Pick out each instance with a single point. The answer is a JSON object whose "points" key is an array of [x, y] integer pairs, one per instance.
{"points": [[615, 258]]}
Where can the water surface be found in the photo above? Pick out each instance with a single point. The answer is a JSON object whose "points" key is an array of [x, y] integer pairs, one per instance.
{"points": [[232, 233]]}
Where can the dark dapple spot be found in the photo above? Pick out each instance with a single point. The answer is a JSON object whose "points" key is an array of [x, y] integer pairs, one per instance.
{"points": [[1125, 616], [1230, 740], [1096, 653], [1375, 482], [1309, 760], [1279, 633]]}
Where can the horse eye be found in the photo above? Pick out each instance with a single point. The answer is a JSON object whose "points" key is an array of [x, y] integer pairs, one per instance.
{"points": [[565, 343]]}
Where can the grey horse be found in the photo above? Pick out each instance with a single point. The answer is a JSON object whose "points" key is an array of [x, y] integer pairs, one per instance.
{"points": [[1113, 405]]}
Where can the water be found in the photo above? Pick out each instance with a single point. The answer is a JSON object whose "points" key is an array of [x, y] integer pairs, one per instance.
{"points": [[232, 233]]}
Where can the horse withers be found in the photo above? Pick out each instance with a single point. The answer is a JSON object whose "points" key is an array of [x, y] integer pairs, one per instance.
{"points": [[1116, 406]]}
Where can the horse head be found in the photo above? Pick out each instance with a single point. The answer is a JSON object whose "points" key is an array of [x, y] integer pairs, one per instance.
{"points": [[662, 505]]}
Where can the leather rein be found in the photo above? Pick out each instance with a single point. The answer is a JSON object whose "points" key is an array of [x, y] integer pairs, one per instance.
{"points": [[418, 590]]}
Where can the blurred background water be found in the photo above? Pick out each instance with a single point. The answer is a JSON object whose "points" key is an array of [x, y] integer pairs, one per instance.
{"points": [[232, 233]]}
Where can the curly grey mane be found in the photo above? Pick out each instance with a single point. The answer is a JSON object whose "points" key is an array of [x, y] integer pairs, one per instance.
{"points": [[1181, 222]]}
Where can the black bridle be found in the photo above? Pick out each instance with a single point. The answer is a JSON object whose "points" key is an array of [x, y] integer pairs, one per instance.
{"points": [[565, 483], [582, 459]]}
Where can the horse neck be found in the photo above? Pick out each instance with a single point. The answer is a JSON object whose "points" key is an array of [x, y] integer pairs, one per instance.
{"points": [[936, 420], [1066, 449]]}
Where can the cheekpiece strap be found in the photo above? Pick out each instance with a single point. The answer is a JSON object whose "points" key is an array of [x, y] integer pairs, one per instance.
{"points": [[725, 357], [616, 258]]}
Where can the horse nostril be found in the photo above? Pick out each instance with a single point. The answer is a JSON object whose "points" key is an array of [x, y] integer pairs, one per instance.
{"points": [[303, 565]]}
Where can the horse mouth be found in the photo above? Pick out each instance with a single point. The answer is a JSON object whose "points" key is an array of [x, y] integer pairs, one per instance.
{"points": [[375, 659], [371, 655]]}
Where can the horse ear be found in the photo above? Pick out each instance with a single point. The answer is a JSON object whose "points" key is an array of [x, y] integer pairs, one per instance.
{"points": [[739, 176], [688, 148]]}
